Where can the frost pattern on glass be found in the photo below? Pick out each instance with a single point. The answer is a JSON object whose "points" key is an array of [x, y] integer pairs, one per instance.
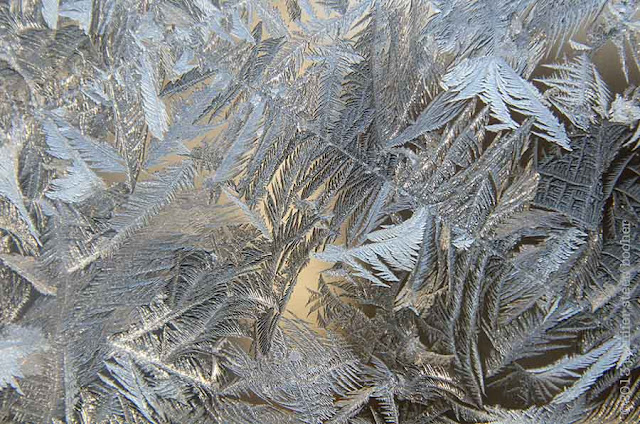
{"points": [[466, 172]]}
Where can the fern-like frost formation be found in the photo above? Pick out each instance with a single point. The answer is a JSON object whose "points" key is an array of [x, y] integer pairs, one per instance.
{"points": [[465, 173]]}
